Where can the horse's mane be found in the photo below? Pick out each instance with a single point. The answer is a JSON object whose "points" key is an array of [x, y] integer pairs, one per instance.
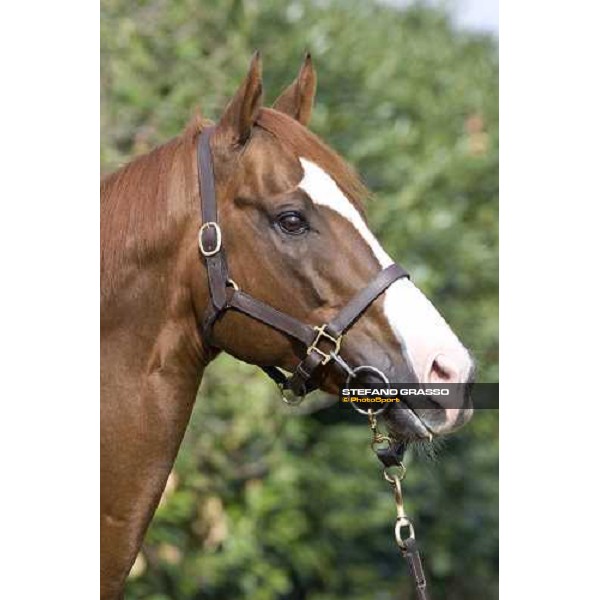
{"points": [[308, 145], [138, 201]]}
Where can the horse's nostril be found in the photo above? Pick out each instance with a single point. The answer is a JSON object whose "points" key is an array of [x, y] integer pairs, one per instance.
{"points": [[443, 370]]}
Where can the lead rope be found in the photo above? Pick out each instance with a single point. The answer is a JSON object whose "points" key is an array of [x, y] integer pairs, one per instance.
{"points": [[394, 472], [390, 455]]}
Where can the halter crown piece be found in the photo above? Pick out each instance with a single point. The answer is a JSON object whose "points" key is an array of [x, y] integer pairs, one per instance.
{"points": [[322, 342]]}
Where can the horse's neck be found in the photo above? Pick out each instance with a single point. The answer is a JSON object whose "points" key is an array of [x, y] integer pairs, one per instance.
{"points": [[152, 364], [151, 370]]}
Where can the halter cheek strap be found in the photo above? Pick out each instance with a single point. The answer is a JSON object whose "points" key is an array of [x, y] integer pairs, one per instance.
{"points": [[323, 342]]}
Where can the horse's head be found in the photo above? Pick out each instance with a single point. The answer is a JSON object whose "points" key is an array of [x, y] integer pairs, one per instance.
{"points": [[295, 237]]}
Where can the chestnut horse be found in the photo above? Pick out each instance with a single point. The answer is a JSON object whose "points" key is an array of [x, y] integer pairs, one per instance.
{"points": [[295, 233]]}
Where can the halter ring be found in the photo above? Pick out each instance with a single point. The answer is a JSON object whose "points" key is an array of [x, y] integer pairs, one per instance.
{"points": [[378, 373], [289, 397], [401, 523]]}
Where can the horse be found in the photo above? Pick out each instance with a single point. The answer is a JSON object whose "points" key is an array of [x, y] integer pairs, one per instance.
{"points": [[292, 224]]}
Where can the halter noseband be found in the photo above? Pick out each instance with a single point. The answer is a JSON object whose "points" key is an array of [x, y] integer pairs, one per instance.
{"points": [[322, 342]]}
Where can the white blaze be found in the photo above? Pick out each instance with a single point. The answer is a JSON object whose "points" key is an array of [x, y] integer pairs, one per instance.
{"points": [[416, 323]]}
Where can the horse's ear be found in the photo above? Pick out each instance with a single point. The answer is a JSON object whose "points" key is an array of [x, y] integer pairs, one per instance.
{"points": [[297, 99], [242, 110]]}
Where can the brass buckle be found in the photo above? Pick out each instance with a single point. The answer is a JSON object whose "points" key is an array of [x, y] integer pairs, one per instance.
{"points": [[217, 247], [321, 333]]}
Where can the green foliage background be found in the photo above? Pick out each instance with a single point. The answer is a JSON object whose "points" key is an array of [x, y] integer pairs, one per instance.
{"points": [[264, 502]]}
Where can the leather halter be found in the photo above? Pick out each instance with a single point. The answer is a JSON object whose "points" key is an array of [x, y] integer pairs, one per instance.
{"points": [[322, 342]]}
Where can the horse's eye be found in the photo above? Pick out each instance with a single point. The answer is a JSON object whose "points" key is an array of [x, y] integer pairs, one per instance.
{"points": [[292, 222]]}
